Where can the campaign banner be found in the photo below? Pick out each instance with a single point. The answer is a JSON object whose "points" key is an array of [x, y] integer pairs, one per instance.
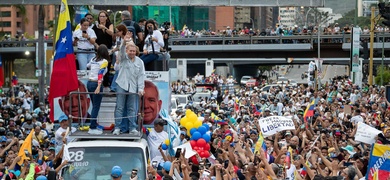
{"points": [[355, 49], [366, 133], [273, 124], [379, 164]]}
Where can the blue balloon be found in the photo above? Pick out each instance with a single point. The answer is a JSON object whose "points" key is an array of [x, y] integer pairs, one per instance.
{"points": [[164, 147], [206, 137], [196, 135], [202, 130], [206, 126], [192, 130]]}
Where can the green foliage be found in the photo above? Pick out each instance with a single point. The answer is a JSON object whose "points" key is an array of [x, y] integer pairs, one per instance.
{"points": [[385, 72], [348, 19], [263, 69]]}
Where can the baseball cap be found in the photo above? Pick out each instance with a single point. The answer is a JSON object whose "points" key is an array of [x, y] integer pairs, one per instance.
{"points": [[349, 149], [160, 122], [183, 132], [116, 172], [41, 177], [62, 117], [167, 165]]}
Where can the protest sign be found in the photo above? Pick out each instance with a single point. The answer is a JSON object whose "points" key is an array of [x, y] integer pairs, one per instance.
{"points": [[366, 133], [273, 124]]}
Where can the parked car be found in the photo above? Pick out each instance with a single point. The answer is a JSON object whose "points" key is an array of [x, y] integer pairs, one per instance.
{"points": [[245, 79], [252, 83], [266, 88]]}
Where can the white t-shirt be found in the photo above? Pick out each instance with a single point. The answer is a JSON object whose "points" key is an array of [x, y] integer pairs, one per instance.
{"points": [[84, 43], [58, 138], [356, 119], [154, 141]]}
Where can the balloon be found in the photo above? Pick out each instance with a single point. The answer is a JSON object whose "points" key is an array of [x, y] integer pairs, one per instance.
{"points": [[207, 147], [167, 142], [193, 130], [188, 112], [188, 133], [196, 135], [206, 126], [164, 146], [193, 118], [200, 142], [184, 120], [206, 137], [201, 154], [202, 130], [197, 123], [193, 143], [206, 154], [194, 160], [189, 125], [196, 148]]}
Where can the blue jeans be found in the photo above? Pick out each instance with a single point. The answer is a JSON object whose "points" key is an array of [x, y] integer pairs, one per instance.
{"points": [[96, 101], [84, 58], [113, 83], [149, 58], [131, 103]]}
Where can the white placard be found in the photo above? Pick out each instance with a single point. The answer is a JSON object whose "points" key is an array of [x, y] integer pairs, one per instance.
{"points": [[188, 148], [366, 133], [273, 124], [157, 76]]}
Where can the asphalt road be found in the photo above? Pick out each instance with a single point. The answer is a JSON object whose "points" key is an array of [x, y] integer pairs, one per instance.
{"points": [[329, 70]]}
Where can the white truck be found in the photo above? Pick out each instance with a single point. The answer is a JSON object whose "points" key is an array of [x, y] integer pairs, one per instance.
{"points": [[93, 156]]}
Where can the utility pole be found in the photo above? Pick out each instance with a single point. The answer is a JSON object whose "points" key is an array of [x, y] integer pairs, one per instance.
{"points": [[371, 64], [41, 54]]}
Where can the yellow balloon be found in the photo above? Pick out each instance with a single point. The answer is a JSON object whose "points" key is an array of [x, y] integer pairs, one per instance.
{"points": [[188, 112], [188, 133], [197, 123], [167, 142], [189, 125], [193, 118], [184, 120]]}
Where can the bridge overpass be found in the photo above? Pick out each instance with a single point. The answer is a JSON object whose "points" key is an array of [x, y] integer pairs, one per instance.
{"points": [[296, 46]]}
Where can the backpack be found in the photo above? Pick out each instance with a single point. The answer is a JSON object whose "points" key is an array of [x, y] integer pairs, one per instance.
{"points": [[130, 27]]}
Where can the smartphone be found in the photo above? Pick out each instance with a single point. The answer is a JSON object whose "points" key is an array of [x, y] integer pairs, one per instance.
{"points": [[346, 164], [178, 152], [154, 164], [226, 164], [26, 152], [85, 32]]}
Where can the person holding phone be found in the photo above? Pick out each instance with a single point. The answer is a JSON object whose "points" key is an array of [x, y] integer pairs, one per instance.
{"points": [[153, 42], [84, 38]]}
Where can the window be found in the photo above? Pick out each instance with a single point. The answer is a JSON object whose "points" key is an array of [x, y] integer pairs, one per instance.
{"points": [[5, 24], [17, 14], [6, 14], [18, 24]]}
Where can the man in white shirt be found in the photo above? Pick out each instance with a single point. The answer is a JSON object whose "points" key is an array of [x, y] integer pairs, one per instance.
{"points": [[357, 117], [61, 132], [156, 137]]}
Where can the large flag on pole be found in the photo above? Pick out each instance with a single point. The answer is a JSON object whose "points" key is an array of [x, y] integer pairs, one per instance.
{"points": [[309, 112], [64, 75]]}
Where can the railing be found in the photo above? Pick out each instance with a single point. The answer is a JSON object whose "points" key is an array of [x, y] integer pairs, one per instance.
{"points": [[245, 39]]}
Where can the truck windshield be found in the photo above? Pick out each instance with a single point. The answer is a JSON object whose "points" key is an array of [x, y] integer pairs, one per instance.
{"points": [[95, 163]]}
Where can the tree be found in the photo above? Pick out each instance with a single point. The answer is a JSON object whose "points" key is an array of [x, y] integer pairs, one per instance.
{"points": [[385, 72], [348, 18]]}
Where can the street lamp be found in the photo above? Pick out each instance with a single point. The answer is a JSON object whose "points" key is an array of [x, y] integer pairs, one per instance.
{"points": [[307, 13], [253, 22], [114, 15]]}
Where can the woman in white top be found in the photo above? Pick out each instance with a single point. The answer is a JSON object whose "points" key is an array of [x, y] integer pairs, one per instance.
{"points": [[153, 42], [98, 67], [85, 39]]}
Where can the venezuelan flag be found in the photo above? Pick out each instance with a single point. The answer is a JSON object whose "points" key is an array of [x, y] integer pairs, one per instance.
{"points": [[309, 112], [64, 75], [27, 145], [261, 144], [379, 165], [289, 157], [1, 73]]}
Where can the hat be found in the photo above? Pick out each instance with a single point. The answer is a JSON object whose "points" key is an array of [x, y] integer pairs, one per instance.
{"points": [[253, 132], [228, 27], [167, 165], [116, 172], [41, 177], [52, 148], [53, 141], [266, 109], [288, 133], [3, 139], [183, 132], [349, 149], [62, 117], [221, 111], [160, 122], [1, 120], [10, 134]]}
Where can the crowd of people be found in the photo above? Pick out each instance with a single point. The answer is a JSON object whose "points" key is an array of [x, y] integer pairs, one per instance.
{"points": [[321, 147]]}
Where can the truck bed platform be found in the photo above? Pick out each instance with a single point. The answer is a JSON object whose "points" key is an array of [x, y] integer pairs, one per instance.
{"points": [[107, 134]]}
